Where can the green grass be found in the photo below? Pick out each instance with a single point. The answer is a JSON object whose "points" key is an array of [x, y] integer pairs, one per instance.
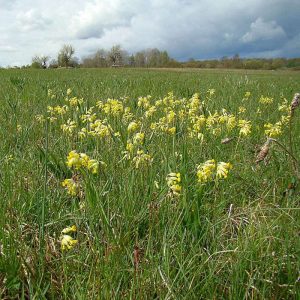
{"points": [[234, 238]]}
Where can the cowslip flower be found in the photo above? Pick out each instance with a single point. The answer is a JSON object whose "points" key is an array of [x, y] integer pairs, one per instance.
{"points": [[93, 166], [67, 242], [132, 126], [245, 127], [206, 170], [173, 182], [273, 130], [70, 229], [73, 160], [71, 186], [223, 169]]}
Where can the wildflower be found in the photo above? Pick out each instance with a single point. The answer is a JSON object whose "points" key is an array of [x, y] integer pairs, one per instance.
{"points": [[144, 102], [93, 166], [247, 95], [129, 147], [242, 109], [266, 100], [173, 182], [223, 169], [139, 138], [75, 101], [82, 133], [19, 128], [69, 91], [211, 92], [171, 130], [84, 160], [113, 107], [61, 110], [284, 106], [52, 119], [206, 170], [69, 127], [142, 159], [273, 130], [73, 160], [67, 230], [151, 110], [71, 186], [67, 242], [245, 127], [133, 126], [40, 118]]}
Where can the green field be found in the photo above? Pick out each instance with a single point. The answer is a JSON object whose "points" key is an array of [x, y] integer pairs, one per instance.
{"points": [[120, 222]]}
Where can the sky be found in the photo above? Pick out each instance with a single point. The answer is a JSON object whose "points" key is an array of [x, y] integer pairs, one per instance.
{"points": [[199, 29]]}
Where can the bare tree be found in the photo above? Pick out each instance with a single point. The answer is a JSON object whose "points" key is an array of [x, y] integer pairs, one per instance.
{"points": [[65, 55], [40, 61], [115, 55]]}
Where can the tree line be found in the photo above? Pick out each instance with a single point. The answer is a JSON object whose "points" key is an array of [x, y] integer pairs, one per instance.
{"points": [[155, 58]]}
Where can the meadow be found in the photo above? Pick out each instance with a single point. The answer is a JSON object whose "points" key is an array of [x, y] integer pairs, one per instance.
{"points": [[149, 184]]}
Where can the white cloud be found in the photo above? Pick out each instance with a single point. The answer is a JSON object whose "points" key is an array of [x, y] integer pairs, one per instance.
{"points": [[99, 16], [32, 19], [262, 30]]}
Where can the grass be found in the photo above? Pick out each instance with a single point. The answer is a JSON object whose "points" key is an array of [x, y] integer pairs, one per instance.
{"points": [[233, 238]]}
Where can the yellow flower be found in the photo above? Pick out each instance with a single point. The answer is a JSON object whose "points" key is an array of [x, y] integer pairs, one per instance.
{"points": [[242, 109], [67, 230], [223, 169], [247, 94], [139, 138], [69, 91], [93, 166], [273, 130], [206, 170], [266, 100], [171, 130], [73, 160], [71, 186], [245, 127], [173, 180], [133, 126], [69, 127], [142, 159], [67, 242]]}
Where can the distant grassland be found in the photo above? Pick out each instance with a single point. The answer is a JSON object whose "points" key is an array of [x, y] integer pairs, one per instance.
{"points": [[151, 204]]}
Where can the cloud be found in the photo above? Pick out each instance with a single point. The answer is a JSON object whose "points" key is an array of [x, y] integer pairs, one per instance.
{"points": [[185, 28], [32, 20], [262, 30], [7, 48], [99, 16]]}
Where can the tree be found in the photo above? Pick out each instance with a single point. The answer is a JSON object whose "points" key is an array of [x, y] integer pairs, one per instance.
{"points": [[140, 59], [40, 62], [115, 55], [65, 55]]}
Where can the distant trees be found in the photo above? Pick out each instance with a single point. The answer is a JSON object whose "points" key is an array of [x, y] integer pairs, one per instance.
{"points": [[65, 55], [39, 61], [155, 58], [117, 56]]}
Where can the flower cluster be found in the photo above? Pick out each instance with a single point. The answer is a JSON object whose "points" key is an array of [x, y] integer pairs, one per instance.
{"points": [[81, 160], [173, 182], [67, 242], [210, 170]]}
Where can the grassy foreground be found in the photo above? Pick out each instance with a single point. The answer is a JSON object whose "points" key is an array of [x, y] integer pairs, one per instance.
{"points": [[108, 193]]}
